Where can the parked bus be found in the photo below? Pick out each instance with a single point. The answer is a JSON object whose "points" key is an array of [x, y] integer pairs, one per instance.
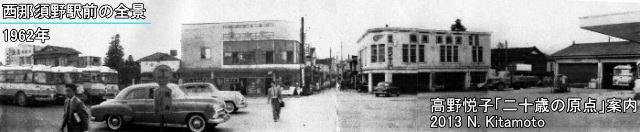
{"points": [[67, 75], [100, 82], [24, 85]]}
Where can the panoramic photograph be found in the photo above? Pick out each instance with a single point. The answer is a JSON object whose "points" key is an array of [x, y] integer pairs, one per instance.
{"points": [[319, 65]]}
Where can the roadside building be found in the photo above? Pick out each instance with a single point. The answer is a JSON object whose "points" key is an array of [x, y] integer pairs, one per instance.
{"points": [[84, 61], [149, 63], [244, 56], [56, 56], [539, 62], [21, 54], [584, 62], [420, 60], [587, 61]]}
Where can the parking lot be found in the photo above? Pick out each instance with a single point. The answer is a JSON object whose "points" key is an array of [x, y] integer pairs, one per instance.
{"points": [[364, 112], [307, 113]]}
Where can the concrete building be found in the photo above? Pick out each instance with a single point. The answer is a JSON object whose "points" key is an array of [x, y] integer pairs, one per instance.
{"points": [[21, 54], [583, 62], [420, 60], [244, 56]]}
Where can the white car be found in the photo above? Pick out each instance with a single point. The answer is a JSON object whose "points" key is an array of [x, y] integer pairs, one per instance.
{"points": [[291, 91], [233, 99]]}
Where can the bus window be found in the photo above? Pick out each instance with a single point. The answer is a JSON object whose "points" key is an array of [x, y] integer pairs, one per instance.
{"points": [[110, 78], [2, 76], [28, 76], [40, 77], [19, 76]]}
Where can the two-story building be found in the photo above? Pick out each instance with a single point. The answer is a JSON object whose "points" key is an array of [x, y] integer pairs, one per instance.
{"points": [[21, 54], [243, 56], [420, 60]]}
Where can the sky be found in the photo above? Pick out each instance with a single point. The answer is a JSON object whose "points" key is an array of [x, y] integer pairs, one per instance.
{"points": [[549, 25]]}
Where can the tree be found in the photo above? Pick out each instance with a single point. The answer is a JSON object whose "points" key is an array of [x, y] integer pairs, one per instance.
{"points": [[458, 26], [115, 53], [130, 70]]}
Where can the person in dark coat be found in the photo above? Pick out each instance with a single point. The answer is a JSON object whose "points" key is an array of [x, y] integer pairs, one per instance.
{"points": [[76, 114], [274, 97]]}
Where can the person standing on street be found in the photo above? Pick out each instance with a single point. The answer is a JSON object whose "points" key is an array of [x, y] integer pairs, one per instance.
{"points": [[274, 97], [76, 115]]}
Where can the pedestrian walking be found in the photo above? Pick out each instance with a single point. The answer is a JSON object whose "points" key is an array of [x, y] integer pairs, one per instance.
{"points": [[274, 97], [76, 115]]}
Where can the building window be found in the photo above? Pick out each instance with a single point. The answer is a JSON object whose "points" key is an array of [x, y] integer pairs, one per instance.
{"points": [[390, 38], [439, 39], [448, 53], [289, 56], [470, 39], [477, 41], [405, 53], [413, 38], [476, 54], [449, 40], [374, 53], [205, 53], [420, 53], [458, 40], [413, 53], [269, 57], [425, 39], [381, 52]]}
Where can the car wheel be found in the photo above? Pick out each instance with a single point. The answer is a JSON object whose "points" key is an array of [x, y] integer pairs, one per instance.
{"points": [[500, 87], [230, 107], [196, 123], [114, 122], [21, 99]]}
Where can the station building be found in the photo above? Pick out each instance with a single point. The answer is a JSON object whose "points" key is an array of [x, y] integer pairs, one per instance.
{"points": [[422, 60], [584, 62], [241, 56]]}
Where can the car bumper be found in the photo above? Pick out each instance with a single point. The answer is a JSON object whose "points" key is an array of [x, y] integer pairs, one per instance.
{"points": [[44, 97], [243, 105], [219, 119]]}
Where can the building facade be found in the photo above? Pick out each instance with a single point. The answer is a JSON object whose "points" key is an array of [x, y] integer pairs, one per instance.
{"points": [[421, 60], [149, 63], [56, 56], [242, 56], [21, 54], [594, 62], [585, 62], [84, 61], [506, 59]]}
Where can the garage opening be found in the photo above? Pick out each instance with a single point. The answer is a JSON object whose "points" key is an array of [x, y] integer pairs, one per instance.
{"points": [[423, 82], [607, 75], [376, 78], [579, 74], [449, 81], [407, 83]]}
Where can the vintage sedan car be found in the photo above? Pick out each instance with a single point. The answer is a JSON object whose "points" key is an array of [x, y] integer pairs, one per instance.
{"points": [[233, 99], [135, 104], [386, 89]]}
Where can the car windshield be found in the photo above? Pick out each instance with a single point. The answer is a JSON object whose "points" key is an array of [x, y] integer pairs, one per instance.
{"points": [[196, 89]]}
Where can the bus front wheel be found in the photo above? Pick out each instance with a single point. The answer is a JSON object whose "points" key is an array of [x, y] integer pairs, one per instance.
{"points": [[21, 99]]}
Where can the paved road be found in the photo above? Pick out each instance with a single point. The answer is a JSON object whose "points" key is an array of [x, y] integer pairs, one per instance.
{"points": [[308, 113], [364, 112]]}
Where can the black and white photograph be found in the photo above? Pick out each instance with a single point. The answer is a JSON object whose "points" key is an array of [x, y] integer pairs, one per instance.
{"points": [[320, 66]]}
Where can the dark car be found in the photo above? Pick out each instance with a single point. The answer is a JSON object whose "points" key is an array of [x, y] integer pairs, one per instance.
{"points": [[135, 104], [386, 89]]}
